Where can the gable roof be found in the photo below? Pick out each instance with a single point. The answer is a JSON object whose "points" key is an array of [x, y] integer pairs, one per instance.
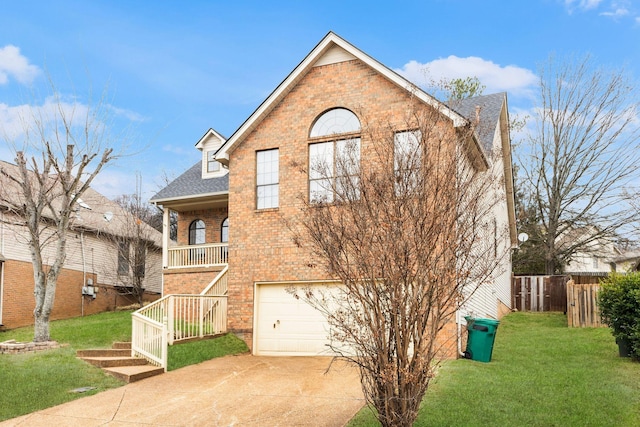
{"points": [[317, 57], [488, 109], [191, 184], [208, 134], [94, 212]]}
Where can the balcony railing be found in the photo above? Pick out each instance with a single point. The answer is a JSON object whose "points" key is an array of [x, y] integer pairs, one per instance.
{"points": [[210, 254]]}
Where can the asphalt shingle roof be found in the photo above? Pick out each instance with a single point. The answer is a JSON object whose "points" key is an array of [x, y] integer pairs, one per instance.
{"points": [[490, 108], [191, 183]]}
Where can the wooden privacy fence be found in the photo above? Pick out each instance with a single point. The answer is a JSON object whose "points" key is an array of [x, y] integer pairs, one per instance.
{"points": [[539, 293], [582, 305]]}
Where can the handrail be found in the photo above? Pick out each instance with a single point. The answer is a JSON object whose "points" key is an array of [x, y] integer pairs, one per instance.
{"points": [[174, 318], [208, 254], [218, 285]]}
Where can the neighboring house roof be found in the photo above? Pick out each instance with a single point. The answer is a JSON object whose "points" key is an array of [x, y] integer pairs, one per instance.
{"points": [[94, 212], [485, 109], [191, 184], [315, 57]]}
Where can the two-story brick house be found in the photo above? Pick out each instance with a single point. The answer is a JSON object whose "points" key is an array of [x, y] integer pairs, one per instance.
{"points": [[246, 199]]}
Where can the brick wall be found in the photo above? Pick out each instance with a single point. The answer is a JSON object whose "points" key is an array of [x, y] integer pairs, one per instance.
{"points": [[213, 224], [262, 248], [18, 300], [188, 280]]}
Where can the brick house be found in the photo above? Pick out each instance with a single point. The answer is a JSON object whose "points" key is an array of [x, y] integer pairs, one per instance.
{"points": [[94, 277], [233, 204]]}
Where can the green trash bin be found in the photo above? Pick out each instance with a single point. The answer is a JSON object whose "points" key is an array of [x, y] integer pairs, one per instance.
{"points": [[482, 334]]}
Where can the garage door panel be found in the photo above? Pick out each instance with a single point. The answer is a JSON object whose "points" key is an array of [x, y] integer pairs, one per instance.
{"points": [[286, 325]]}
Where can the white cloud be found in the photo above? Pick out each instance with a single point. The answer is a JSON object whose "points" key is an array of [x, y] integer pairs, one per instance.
{"points": [[513, 79], [616, 13], [13, 64], [128, 114], [581, 4], [16, 120]]}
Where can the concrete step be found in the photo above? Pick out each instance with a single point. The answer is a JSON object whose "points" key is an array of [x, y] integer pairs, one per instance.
{"points": [[121, 345], [108, 362], [109, 352], [134, 373]]}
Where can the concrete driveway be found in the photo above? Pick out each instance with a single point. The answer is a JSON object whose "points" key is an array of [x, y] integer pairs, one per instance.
{"points": [[230, 391]]}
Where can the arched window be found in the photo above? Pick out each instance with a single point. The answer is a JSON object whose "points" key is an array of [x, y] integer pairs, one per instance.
{"points": [[196, 232], [224, 232], [335, 121], [334, 162]]}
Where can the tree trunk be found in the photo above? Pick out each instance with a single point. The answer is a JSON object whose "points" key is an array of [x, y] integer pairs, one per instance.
{"points": [[41, 327]]}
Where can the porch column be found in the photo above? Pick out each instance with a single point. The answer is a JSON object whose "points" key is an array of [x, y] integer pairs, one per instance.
{"points": [[166, 236]]}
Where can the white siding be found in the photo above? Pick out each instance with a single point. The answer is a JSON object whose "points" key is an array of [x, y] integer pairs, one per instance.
{"points": [[100, 255]]}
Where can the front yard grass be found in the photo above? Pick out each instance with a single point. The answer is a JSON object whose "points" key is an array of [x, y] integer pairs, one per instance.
{"points": [[542, 374], [35, 381]]}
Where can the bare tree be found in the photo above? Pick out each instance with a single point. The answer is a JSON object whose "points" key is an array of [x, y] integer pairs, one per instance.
{"points": [[403, 219], [581, 155], [63, 148], [136, 239]]}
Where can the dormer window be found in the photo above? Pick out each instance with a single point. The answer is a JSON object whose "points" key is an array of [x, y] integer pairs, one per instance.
{"points": [[212, 164], [208, 145]]}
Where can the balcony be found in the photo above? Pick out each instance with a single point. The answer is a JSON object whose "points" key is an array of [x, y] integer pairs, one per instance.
{"points": [[207, 255]]}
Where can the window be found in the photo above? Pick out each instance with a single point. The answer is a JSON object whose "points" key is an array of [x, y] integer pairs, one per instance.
{"points": [[123, 258], [196, 232], [212, 163], [267, 176], [334, 167], [224, 233], [335, 121], [595, 262], [139, 261], [407, 160]]}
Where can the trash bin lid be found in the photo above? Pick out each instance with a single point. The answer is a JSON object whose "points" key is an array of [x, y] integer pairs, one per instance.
{"points": [[491, 322]]}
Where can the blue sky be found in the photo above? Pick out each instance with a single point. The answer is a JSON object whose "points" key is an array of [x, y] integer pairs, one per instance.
{"points": [[173, 69]]}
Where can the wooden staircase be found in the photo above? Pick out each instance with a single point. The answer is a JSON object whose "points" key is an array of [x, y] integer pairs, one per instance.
{"points": [[117, 361]]}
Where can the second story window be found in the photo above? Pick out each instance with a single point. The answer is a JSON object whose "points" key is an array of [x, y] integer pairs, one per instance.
{"points": [[224, 232], [196, 232], [212, 164], [407, 161], [334, 162], [267, 179]]}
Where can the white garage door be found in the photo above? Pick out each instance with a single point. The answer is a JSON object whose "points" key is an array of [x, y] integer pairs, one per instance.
{"points": [[287, 326]]}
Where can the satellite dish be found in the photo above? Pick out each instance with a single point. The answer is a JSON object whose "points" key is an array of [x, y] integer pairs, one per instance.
{"points": [[108, 216], [523, 237]]}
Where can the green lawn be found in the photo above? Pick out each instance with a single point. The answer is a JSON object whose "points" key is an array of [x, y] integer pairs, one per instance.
{"points": [[35, 381], [542, 374]]}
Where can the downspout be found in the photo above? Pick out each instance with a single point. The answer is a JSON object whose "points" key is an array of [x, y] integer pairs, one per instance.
{"points": [[84, 272]]}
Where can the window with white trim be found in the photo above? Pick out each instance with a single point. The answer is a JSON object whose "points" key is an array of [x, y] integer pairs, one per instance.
{"points": [[212, 164], [334, 168], [334, 165], [407, 160], [267, 179]]}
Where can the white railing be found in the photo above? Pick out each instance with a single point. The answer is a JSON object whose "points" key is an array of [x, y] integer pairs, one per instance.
{"points": [[149, 340], [175, 318], [198, 255], [218, 285]]}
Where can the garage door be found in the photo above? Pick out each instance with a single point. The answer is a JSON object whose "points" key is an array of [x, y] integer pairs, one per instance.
{"points": [[288, 326]]}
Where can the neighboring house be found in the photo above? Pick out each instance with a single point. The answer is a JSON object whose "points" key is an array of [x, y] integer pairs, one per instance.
{"points": [[96, 276], [234, 212], [603, 259], [596, 255]]}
